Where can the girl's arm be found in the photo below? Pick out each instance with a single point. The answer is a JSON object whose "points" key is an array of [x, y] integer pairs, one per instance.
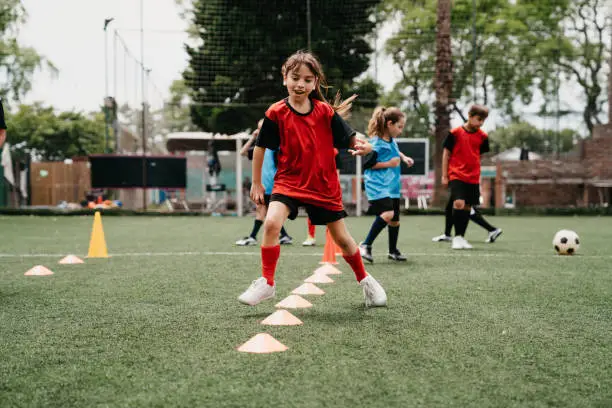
{"points": [[359, 147], [245, 149], [257, 189], [394, 162], [445, 159]]}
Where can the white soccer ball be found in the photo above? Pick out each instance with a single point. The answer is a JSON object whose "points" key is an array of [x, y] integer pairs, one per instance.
{"points": [[566, 242]]}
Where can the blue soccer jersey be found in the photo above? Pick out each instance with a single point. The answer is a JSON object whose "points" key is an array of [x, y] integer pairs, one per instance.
{"points": [[268, 171], [383, 183]]}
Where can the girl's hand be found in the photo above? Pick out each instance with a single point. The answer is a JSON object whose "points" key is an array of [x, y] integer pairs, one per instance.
{"points": [[408, 160], [444, 181], [360, 148], [257, 193]]}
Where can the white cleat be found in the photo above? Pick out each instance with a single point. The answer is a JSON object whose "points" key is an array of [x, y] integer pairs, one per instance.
{"points": [[246, 241], [310, 241], [257, 292], [460, 243], [374, 294], [442, 238]]}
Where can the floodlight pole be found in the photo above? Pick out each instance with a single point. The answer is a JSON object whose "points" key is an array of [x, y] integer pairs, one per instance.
{"points": [[144, 110], [107, 21], [474, 53]]}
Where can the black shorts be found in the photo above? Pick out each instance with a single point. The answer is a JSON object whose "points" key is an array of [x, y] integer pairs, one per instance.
{"points": [[267, 199], [468, 192], [317, 215], [382, 205]]}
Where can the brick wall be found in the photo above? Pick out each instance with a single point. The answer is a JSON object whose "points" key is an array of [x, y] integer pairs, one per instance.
{"points": [[598, 153], [546, 195]]}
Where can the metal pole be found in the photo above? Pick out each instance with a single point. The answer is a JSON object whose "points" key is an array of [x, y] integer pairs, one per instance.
{"points": [[239, 195], [144, 110], [358, 186], [474, 54], [309, 24], [106, 132], [115, 124]]}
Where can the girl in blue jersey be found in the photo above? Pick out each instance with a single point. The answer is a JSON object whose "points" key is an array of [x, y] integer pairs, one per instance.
{"points": [[268, 171], [382, 179]]}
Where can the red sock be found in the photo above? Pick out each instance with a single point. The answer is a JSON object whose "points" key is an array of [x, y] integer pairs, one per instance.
{"points": [[311, 228], [356, 264], [269, 258]]}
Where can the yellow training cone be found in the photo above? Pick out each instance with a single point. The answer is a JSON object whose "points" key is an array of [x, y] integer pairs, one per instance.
{"points": [[97, 244]]}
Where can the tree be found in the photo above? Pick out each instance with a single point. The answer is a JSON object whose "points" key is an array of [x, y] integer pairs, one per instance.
{"points": [[234, 73], [176, 110], [37, 130], [582, 54], [17, 63], [525, 135], [444, 86]]}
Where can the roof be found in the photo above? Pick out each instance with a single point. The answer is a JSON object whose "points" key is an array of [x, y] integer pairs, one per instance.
{"points": [[514, 154], [186, 141], [544, 171]]}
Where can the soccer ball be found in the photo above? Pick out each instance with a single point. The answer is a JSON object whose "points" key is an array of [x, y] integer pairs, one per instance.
{"points": [[566, 242]]}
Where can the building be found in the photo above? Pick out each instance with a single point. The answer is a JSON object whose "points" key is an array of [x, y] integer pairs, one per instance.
{"points": [[583, 179]]}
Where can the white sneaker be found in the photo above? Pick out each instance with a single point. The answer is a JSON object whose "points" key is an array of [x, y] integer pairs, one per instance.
{"points": [[310, 241], [372, 291], [257, 292], [442, 238], [246, 241], [460, 243], [493, 235]]}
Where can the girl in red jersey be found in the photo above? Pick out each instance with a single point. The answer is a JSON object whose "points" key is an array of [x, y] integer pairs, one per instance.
{"points": [[304, 128]]}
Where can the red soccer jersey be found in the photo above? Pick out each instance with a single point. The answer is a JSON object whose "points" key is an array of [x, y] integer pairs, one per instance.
{"points": [[466, 148], [306, 158]]}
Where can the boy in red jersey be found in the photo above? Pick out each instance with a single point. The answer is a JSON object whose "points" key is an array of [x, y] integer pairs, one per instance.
{"points": [[461, 169], [304, 128]]}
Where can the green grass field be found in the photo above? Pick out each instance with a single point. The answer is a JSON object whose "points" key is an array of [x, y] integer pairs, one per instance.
{"points": [[157, 324]]}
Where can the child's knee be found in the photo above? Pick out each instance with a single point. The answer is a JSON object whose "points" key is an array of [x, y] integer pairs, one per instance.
{"points": [[459, 204], [387, 216], [394, 224], [272, 226]]}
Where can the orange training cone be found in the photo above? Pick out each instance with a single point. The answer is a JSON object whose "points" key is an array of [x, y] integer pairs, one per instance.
{"points": [[293, 302], [71, 260], [308, 289], [327, 269], [97, 243], [262, 343], [38, 270], [329, 252], [318, 278], [282, 318]]}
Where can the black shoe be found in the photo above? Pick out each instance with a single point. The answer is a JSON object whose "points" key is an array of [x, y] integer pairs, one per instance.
{"points": [[397, 256], [366, 252]]}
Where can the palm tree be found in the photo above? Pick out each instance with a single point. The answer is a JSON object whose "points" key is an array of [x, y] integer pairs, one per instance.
{"points": [[444, 86]]}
